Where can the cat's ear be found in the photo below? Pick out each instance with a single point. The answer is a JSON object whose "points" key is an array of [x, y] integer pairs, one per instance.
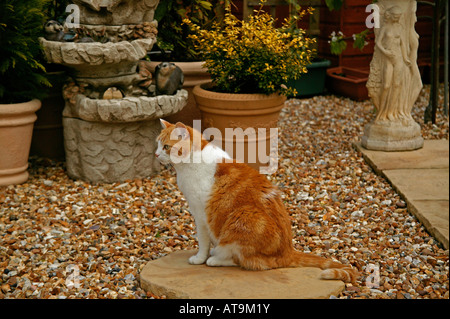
{"points": [[183, 129], [164, 124], [180, 125]]}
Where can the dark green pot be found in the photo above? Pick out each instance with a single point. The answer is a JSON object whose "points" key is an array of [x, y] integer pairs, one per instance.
{"points": [[313, 82]]}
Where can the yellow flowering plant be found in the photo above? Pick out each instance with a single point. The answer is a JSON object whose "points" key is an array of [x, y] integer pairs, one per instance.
{"points": [[254, 56]]}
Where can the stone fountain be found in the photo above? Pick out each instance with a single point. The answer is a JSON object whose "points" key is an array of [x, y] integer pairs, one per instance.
{"points": [[394, 82], [111, 114]]}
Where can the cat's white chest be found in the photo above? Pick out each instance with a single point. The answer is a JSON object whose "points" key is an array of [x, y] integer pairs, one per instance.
{"points": [[196, 180]]}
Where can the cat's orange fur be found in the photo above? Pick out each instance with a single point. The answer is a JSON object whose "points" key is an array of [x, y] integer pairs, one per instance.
{"points": [[245, 214]]}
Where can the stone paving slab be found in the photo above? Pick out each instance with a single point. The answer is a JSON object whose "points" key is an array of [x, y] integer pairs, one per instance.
{"points": [[421, 178], [434, 154], [420, 184], [434, 215], [174, 277]]}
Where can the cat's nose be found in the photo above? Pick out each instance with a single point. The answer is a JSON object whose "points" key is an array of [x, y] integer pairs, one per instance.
{"points": [[156, 154]]}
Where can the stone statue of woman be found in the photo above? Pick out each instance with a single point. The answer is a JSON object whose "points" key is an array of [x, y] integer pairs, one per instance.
{"points": [[394, 82], [391, 44]]}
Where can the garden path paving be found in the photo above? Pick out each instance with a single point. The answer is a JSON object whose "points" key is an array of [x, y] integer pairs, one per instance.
{"points": [[421, 178], [174, 277]]}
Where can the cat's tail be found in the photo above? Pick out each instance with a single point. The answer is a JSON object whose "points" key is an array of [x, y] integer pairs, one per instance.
{"points": [[331, 269]]}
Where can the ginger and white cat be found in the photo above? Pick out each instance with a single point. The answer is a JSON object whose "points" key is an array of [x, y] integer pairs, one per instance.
{"points": [[235, 208]]}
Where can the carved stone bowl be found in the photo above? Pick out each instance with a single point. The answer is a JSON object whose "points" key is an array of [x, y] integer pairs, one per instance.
{"points": [[95, 59]]}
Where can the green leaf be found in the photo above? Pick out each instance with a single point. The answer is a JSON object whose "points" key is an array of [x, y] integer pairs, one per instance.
{"points": [[205, 4], [161, 10], [4, 66], [181, 12], [360, 39], [334, 4], [337, 47]]}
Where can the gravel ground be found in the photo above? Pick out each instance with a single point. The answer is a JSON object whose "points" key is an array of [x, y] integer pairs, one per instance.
{"points": [[61, 238]]}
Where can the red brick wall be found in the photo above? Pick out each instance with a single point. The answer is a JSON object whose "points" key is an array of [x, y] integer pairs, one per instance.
{"points": [[350, 19]]}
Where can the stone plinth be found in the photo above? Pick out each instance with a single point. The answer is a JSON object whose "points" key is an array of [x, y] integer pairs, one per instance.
{"points": [[174, 277], [392, 136]]}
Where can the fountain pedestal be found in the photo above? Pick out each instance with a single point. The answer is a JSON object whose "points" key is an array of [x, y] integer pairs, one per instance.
{"points": [[115, 140], [111, 139]]}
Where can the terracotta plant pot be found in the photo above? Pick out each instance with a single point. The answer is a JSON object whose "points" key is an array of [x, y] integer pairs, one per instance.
{"points": [[194, 74], [348, 82], [16, 129], [225, 110]]}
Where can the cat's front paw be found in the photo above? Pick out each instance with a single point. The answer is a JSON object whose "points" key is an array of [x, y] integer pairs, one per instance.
{"points": [[217, 262], [197, 260]]}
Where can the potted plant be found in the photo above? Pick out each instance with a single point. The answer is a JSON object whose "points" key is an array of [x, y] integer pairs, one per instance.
{"points": [[21, 82], [174, 45], [344, 80], [250, 63]]}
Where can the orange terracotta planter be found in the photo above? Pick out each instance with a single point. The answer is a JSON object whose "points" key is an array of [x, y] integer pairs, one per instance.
{"points": [[232, 111], [348, 82], [16, 130]]}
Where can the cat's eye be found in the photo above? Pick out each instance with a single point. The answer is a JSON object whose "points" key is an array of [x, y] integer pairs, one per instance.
{"points": [[166, 147]]}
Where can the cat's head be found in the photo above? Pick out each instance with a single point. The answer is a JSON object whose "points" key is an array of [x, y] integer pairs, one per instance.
{"points": [[177, 142]]}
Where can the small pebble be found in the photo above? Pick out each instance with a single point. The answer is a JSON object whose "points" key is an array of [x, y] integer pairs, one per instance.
{"points": [[400, 204], [48, 182]]}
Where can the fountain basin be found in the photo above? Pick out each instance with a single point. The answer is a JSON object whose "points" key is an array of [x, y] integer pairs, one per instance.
{"points": [[95, 59]]}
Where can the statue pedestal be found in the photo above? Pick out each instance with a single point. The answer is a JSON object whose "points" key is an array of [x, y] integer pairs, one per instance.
{"points": [[392, 136]]}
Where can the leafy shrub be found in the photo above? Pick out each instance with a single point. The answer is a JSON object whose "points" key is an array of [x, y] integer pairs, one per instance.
{"points": [[173, 35], [253, 56], [22, 76]]}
